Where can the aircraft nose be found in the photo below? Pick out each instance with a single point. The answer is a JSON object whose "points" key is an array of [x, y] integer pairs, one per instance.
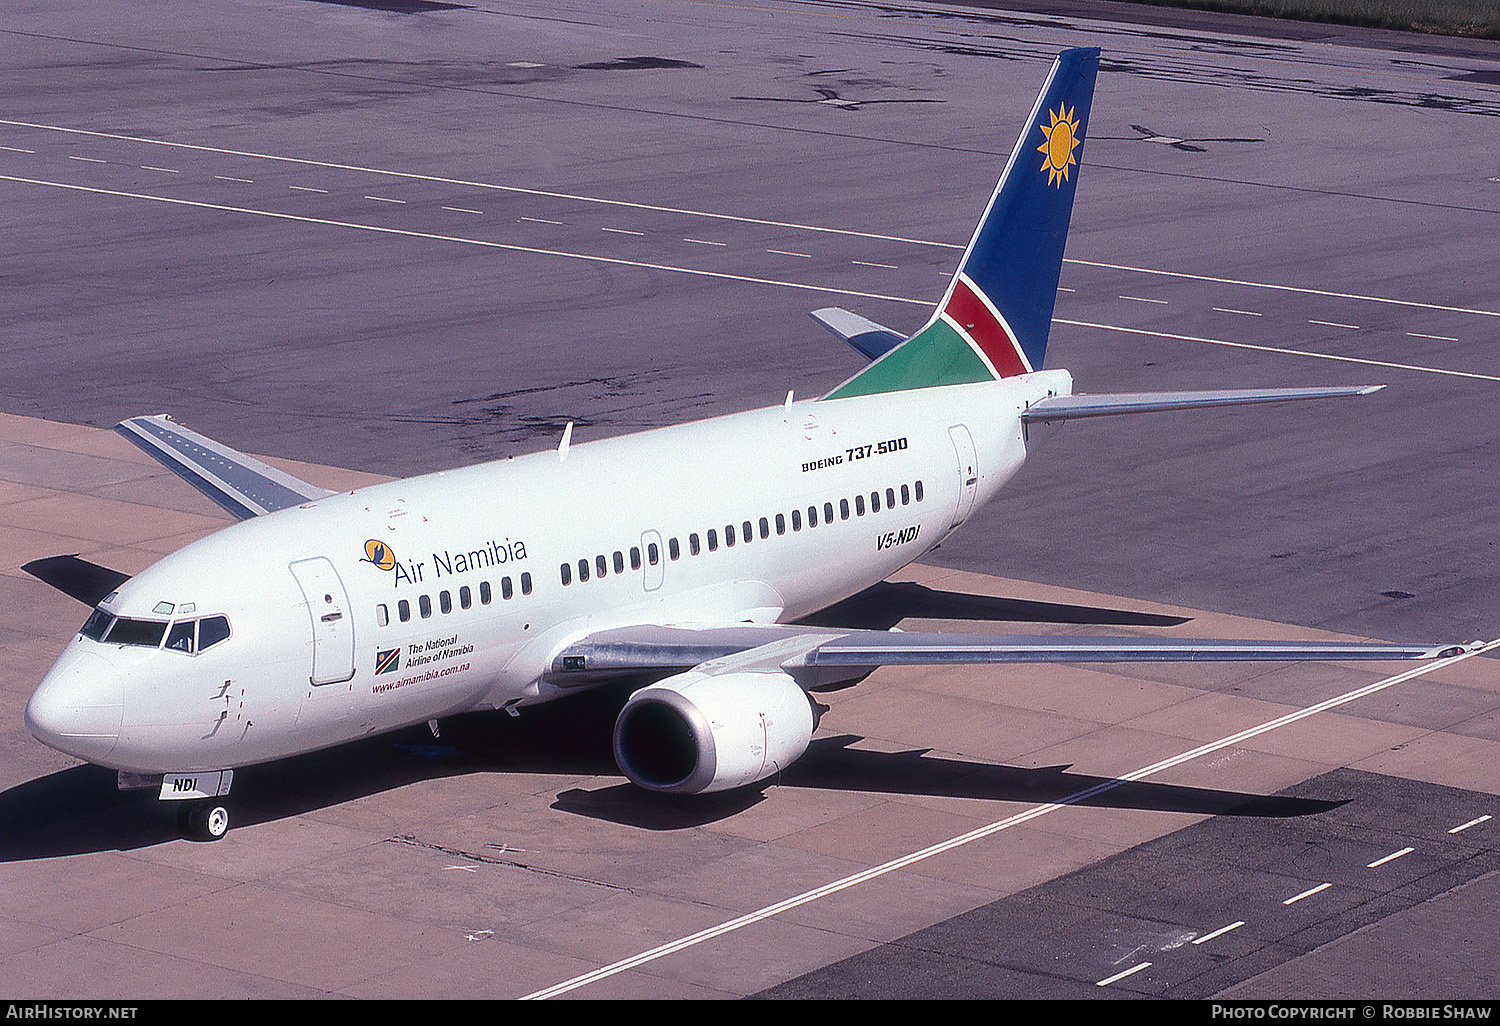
{"points": [[78, 707]]}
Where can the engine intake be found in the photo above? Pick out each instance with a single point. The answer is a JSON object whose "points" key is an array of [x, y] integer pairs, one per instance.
{"points": [[695, 733]]}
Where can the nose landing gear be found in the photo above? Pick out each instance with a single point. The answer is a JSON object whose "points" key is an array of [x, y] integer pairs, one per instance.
{"points": [[203, 820]]}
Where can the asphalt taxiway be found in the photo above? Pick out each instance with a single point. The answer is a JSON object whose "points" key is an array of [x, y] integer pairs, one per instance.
{"points": [[403, 239]]}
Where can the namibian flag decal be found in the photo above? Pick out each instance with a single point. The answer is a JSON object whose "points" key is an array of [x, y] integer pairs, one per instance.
{"points": [[971, 313], [388, 660]]}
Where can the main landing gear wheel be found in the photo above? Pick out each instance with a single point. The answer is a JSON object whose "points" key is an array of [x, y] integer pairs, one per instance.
{"points": [[203, 820]]}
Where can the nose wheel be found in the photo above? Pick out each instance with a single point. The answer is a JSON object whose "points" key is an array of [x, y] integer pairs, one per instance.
{"points": [[206, 820]]}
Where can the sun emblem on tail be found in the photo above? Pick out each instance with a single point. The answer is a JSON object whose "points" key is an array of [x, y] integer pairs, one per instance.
{"points": [[1062, 140]]}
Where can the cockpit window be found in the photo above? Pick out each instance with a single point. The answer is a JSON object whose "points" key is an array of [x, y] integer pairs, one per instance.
{"points": [[212, 630], [180, 637], [94, 627], [145, 633]]}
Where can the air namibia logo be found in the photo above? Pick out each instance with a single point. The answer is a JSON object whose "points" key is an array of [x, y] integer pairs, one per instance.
{"points": [[379, 553], [1062, 140]]}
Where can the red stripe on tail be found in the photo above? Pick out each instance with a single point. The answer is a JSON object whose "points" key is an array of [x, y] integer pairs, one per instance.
{"points": [[974, 316]]}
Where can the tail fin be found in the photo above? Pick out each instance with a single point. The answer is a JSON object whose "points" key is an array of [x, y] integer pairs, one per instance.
{"points": [[994, 319]]}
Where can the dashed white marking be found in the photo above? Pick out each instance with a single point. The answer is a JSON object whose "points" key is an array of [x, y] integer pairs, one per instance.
{"points": [[1390, 858], [705, 242], [980, 833], [307, 188], [1438, 338], [1471, 823], [1221, 931], [1307, 893], [538, 220], [1120, 976], [621, 231], [1061, 289], [1143, 299], [869, 263], [1242, 313], [231, 178], [524, 64], [16, 149], [91, 160], [464, 210], [1335, 324], [467, 241], [787, 252], [384, 199], [164, 170], [1280, 350], [727, 217]]}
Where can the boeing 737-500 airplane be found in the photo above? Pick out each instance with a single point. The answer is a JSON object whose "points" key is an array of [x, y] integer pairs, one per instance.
{"points": [[324, 617]]}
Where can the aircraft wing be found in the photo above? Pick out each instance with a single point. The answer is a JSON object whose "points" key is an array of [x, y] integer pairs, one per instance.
{"points": [[817, 655], [241, 484], [1072, 407]]}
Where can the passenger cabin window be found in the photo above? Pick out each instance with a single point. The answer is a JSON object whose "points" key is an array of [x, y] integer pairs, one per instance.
{"points": [[673, 549], [424, 605], [729, 536], [525, 585], [602, 565], [403, 610], [653, 553], [505, 588], [445, 602], [918, 491], [484, 591], [780, 523], [567, 574], [765, 528], [619, 562], [635, 557], [713, 540], [465, 597], [859, 505], [382, 614]]}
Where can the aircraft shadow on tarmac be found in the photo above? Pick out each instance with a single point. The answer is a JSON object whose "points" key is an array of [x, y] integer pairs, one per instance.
{"points": [[80, 810]]}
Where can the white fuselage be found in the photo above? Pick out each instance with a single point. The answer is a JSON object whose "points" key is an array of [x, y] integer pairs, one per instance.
{"points": [[420, 598]]}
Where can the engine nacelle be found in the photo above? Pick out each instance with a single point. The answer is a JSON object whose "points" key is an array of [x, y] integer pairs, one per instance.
{"points": [[694, 733]]}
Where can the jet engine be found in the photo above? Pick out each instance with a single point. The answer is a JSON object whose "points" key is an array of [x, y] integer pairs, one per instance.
{"points": [[696, 732]]}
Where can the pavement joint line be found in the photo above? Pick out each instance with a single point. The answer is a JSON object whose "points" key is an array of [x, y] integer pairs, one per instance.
{"points": [[980, 833], [769, 222]]}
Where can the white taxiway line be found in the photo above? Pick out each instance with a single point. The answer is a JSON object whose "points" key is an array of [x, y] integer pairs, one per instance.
{"points": [[1307, 893], [1393, 856], [826, 289], [658, 208], [1221, 931], [980, 833], [1120, 976], [1277, 349], [1471, 823], [437, 237]]}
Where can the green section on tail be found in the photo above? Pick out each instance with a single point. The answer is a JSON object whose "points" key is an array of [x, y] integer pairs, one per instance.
{"points": [[936, 355]]}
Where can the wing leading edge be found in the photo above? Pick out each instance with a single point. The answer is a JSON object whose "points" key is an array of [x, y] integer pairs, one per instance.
{"points": [[241, 484], [818, 655]]}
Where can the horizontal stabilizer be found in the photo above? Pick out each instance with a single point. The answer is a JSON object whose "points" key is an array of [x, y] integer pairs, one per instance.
{"points": [[77, 578], [871, 340], [241, 484], [1073, 407]]}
